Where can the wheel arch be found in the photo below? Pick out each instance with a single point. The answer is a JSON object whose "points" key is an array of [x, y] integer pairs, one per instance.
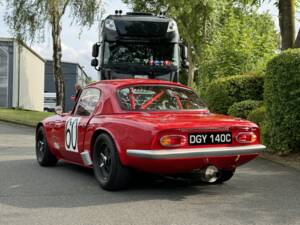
{"points": [[40, 124], [99, 132]]}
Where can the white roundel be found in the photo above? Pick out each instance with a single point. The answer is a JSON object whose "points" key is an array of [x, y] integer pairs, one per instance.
{"points": [[71, 134]]}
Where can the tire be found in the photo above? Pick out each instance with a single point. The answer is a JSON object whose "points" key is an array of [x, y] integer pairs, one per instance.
{"points": [[108, 170], [43, 154], [225, 175]]}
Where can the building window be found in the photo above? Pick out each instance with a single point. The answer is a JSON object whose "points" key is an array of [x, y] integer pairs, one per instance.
{"points": [[4, 76]]}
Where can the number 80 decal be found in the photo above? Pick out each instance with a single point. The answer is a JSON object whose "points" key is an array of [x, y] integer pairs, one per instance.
{"points": [[71, 134]]}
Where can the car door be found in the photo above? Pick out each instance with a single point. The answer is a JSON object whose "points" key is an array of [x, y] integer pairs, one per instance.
{"points": [[75, 125]]}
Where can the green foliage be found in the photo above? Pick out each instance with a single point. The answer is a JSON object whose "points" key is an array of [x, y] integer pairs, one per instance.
{"points": [[243, 108], [224, 92], [26, 117], [244, 43], [28, 19], [258, 115], [282, 101]]}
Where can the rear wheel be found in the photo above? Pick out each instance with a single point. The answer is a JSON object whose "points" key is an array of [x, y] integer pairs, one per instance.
{"points": [[43, 154], [109, 171]]}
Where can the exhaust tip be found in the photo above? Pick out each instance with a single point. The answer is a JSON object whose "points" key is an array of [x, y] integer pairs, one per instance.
{"points": [[210, 174]]}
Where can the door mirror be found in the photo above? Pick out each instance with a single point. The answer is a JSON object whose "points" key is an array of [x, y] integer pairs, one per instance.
{"points": [[185, 64], [58, 110], [94, 62], [184, 52], [95, 51]]}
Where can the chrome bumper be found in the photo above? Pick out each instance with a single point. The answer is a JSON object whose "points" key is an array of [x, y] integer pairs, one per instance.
{"points": [[196, 152]]}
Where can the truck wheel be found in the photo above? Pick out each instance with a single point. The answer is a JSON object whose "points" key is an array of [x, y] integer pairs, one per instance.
{"points": [[109, 171], [43, 154]]}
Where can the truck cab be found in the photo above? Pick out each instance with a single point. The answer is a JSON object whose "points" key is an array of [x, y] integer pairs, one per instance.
{"points": [[139, 45]]}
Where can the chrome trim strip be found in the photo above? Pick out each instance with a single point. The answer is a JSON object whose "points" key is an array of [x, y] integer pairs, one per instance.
{"points": [[86, 158], [196, 152]]}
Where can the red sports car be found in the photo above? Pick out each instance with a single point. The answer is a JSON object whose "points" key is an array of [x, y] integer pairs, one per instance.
{"points": [[118, 126]]}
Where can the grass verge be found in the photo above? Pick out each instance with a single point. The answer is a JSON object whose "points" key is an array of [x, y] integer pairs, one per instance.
{"points": [[24, 117]]}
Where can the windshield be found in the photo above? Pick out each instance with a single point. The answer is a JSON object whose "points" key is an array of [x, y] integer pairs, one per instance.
{"points": [[164, 54], [158, 98]]}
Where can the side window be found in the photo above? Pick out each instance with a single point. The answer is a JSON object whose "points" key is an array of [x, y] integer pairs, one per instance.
{"points": [[87, 102]]}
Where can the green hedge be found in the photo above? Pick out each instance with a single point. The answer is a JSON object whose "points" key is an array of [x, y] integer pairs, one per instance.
{"points": [[243, 108], [224, 92], [258, 115], [282, 101]]}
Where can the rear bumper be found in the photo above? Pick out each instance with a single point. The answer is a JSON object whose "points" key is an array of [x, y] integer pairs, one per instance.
{"points": [[196, 152]]}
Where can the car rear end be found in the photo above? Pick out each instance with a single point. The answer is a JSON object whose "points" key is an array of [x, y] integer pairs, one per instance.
{"points": [[187, 149], [185, 135]]}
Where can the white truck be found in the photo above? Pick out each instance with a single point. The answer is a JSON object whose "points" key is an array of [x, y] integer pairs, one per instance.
{"points": [[49, 101]]}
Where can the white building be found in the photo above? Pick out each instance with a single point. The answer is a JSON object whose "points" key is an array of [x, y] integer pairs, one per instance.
{"points": [[22, 74]]}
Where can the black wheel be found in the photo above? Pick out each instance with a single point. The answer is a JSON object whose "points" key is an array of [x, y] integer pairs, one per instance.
{"points": [[109, 171], [224, 176], [43, 154]]}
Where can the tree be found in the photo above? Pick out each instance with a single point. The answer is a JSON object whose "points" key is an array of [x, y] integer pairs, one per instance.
{"points": [[244, 42], [286, 15], [28, 20], [287, 22]]}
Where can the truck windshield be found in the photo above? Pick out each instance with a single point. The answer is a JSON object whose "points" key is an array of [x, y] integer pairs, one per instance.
{"points": [[158, 98], [141, 53]]}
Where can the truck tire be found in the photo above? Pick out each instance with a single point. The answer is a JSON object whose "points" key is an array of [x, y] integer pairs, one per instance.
{"points": [[108, 170], [43, 155]]}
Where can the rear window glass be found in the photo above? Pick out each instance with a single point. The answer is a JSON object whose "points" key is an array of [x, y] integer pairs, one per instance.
{"points": [[158, 98]]}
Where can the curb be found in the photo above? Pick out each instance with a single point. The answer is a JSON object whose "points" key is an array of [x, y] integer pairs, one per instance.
{"points": [[17, 123], [288, 161]]}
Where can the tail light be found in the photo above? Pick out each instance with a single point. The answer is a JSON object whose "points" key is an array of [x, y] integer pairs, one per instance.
{"points": [[246, 137], [173, 140]]}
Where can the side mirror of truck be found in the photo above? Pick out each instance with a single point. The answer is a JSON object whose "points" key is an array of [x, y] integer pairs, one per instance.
{"points": [[95, 51], [185, 64], [184, 52], [94, 62]]}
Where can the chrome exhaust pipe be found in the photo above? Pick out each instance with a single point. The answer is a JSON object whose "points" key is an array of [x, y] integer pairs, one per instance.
{"points": [[210, 174]]}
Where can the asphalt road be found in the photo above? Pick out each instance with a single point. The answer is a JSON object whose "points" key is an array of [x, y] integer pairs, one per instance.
{"points": [[261, 192]]}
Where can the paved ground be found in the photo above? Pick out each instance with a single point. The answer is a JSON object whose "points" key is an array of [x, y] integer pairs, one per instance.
{"points": [[261, 192]]}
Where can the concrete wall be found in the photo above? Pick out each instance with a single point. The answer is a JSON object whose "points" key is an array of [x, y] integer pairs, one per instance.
{"points": [[31, 79], [25, 71]]}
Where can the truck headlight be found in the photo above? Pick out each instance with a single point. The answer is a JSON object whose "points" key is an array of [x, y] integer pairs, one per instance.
{"points": [[172, 26], [110, 24]]}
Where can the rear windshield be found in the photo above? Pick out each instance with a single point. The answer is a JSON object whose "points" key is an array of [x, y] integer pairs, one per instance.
{"points": [[158, 98]]}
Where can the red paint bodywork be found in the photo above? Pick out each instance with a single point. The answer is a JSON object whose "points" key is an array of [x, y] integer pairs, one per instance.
{"points": [[142, 130]]}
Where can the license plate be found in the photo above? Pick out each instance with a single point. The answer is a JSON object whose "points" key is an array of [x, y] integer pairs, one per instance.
{"points": [[210, 138]]}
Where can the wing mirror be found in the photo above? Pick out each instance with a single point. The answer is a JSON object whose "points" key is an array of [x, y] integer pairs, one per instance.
{"points": [[94, 62], [95, 51], [185, 64], [184, 52], [58, 110]]}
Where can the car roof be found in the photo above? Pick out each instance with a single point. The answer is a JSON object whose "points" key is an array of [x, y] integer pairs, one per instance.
{"points": [[137, 81]]}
